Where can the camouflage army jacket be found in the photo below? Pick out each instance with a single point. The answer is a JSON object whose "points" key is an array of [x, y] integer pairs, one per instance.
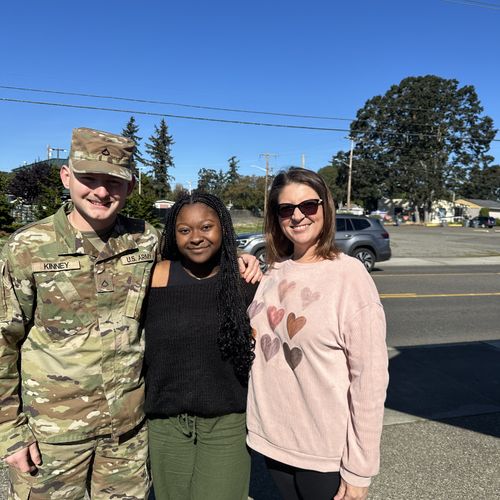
{"points": [[71, 349]]}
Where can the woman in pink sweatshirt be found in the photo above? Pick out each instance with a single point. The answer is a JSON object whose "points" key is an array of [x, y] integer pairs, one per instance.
{"points": [[318, 383]]}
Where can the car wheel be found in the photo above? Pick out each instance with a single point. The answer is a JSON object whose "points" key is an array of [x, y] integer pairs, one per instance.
{"points": [[366, 256], [260, 255]]}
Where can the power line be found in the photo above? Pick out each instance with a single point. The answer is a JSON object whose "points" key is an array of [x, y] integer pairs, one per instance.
{"points": [[196, 106], [217, 120], [473, 3], [152, 113], [150, 101]]}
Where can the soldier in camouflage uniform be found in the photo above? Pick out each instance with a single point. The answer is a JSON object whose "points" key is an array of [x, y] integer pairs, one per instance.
{"points": [[71, 351]]}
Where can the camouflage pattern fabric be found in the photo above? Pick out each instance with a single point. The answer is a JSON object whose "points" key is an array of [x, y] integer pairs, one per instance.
{"points": [[118, 470], [93, 151], [69, 318]]}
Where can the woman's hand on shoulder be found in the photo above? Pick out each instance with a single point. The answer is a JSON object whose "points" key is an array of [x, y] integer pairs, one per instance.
{"points": [[349, 492], [249, 268], [160, 274]]}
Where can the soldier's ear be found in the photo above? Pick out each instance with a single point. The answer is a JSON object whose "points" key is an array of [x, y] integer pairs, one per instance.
{"points": [[65, 174]]}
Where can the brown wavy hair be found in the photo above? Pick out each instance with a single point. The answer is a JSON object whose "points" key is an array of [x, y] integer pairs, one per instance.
{"points": [[278, 246]]}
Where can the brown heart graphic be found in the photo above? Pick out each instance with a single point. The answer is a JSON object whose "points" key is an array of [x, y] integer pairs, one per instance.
{"points": [[284, 287], [254, 308], [274, 316], [269, 346], [294, 325], [308, 297], [293, 356]]}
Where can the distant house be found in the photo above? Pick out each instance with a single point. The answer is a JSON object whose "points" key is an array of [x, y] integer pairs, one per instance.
{"points": [[441, 210], [162, 207], [472, 207]]}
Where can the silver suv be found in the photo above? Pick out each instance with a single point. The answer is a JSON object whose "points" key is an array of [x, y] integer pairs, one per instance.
{"points": [[356, 235]]}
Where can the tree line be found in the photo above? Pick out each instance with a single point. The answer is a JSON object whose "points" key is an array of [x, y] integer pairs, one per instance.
{"points": [[425, 139]]}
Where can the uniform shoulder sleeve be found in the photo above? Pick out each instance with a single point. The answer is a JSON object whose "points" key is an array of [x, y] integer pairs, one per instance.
{"points": [[17, 299]]}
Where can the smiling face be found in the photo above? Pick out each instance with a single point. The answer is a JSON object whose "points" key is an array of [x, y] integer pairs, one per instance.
{"points": [[302, 230], [97, 198], [198, 235]]}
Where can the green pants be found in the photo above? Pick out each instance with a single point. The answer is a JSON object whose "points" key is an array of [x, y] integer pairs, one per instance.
{"points": [[195, 458]]}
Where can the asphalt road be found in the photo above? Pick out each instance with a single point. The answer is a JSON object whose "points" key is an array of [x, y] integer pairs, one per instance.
{"points": [[437, 305]]}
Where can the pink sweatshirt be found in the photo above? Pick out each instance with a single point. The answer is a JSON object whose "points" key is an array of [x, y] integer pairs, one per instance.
{"points": [[318, 382]]}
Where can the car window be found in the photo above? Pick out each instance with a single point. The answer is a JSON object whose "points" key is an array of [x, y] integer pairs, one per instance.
{"points": [[343, 224], [360, 224]]}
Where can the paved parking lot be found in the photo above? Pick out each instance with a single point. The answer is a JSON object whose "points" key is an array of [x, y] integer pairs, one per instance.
{"points": [[420, 241]]}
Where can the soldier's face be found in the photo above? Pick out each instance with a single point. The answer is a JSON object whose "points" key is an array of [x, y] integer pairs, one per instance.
{"points": [[198, 233], [97, 198]]}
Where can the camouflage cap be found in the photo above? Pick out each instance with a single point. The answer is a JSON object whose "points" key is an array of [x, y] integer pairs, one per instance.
{"points": [[96, 152]]}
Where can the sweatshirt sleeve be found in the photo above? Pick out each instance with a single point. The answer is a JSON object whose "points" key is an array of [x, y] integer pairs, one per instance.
{"points": [[367, 361], [16, 304]]}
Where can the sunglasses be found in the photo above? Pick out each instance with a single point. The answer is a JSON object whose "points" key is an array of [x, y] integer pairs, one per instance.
{"points": [[307, 207]]}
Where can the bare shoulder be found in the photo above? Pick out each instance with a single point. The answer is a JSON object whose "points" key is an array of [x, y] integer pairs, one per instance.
{"points": [[160, 274]]}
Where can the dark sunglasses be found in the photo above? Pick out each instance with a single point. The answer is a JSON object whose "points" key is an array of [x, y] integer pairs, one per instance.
{"points": [[307, 207]]}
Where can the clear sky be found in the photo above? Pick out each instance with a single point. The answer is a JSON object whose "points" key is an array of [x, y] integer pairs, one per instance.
{"points": [[306, 57]]}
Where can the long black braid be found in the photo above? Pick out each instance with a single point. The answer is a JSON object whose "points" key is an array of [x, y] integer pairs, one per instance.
{"points": [[235, 340]]}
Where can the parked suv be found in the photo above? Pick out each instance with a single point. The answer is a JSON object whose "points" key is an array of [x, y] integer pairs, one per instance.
{"points": [[482, 221], [356, 235]]}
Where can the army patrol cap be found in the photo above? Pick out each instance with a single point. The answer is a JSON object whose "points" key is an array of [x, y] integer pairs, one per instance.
{"points": [[96, 152]]}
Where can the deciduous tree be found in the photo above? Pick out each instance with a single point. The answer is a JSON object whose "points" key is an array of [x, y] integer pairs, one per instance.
{"points": [[420, 139]]}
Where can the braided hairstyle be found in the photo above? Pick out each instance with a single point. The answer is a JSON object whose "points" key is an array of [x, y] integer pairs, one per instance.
{"points": [[235, 340]]}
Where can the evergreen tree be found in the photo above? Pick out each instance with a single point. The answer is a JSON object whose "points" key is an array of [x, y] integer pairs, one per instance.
{"points": [[335, 176], [231, 179], [142, 206], [482, 184], [6, 218], [232, 174], [159, 150], [130, 131], [211, 181], [5, 178], [51, 192]]}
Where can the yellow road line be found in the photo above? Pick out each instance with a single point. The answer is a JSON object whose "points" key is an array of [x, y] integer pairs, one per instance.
{"points": [[431, 295]]}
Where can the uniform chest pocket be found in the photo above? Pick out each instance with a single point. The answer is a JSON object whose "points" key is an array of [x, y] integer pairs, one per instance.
{"points": [[65, 298], [137, 289]]}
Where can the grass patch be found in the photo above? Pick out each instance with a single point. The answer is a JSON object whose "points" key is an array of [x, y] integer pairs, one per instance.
{"points": [[248, 227]]}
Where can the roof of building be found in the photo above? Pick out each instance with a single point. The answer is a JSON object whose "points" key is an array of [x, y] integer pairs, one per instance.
{"points": [[475, 203]]}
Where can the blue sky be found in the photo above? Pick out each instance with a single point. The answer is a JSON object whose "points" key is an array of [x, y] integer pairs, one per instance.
{"points": [[313, 58]]}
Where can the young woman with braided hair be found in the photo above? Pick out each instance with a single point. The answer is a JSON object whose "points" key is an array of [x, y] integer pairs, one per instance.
{"points": [[199, 350]]}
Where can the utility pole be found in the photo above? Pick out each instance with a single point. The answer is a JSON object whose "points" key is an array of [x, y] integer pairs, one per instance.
{"points": [[50, 149], [303, 160], [266, 156], [349, 176]]}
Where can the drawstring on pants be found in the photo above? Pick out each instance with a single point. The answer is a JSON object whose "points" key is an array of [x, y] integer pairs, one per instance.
{"points": [[187, 424]]}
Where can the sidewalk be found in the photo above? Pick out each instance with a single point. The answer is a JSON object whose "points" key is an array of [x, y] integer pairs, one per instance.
{"points": [[439, 261], [441, 438]]}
